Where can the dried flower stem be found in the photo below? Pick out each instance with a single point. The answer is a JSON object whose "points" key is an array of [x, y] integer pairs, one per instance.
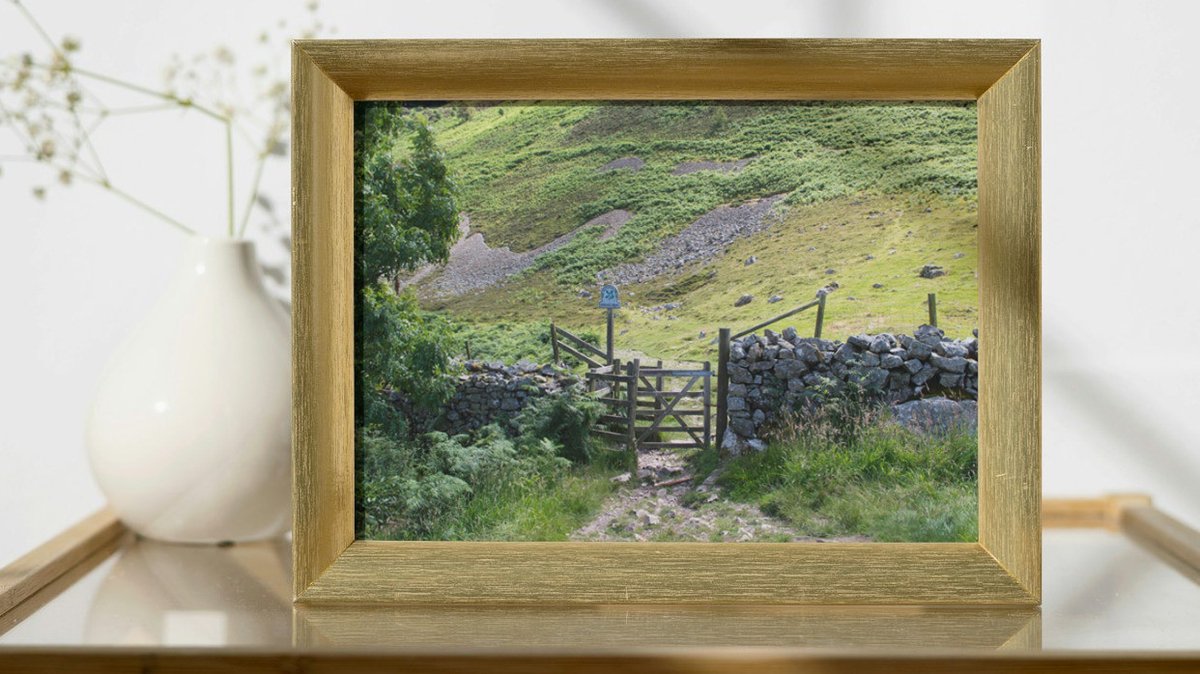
{"points": [[72, 154], [139, 203], [229, 174], [258, 171], [68, 68]]}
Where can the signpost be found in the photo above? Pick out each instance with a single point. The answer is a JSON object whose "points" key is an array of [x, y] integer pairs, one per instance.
{"points": [[610, 300]]}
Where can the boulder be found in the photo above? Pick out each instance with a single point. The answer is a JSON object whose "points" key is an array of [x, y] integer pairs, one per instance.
{"points": [[845, 353], [926, 373], [951, 349], [787, 369], [743, 427], [957, 365], [924, 331], [882, 343], [919, 350], [808, 353], [732, 443], [822, 344], [744, 300], [859, 341], [937, 415], [755, 352], [950, 380], [871, 378], [931, 271]]}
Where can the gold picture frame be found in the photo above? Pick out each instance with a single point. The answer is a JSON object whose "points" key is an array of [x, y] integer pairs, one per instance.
{"points": [[1002, 568]]}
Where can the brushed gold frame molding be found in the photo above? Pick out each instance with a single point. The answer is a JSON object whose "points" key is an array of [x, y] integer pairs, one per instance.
{"points": [[1002, 568]]}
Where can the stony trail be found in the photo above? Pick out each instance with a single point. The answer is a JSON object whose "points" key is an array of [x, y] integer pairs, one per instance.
{"points": [[647, 507], [474, 265], [702, 240]]}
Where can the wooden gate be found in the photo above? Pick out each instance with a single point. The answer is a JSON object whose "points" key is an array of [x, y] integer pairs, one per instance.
{"points": [[650, 407]]}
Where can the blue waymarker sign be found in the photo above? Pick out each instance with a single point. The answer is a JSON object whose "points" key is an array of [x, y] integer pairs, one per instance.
{"points": [[609, 298]]}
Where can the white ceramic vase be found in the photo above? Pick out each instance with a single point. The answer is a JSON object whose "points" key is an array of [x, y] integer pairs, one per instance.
{"points": [[189, 435]]}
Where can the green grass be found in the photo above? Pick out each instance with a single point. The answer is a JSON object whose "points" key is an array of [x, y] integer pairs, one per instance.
{"points": [[538, 510], [548, 510], [853, 229], [528, 172], [875, 191], [885, 482]]}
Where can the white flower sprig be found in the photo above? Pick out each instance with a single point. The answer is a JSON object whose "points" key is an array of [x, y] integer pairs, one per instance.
{"points": [[49, 105]]}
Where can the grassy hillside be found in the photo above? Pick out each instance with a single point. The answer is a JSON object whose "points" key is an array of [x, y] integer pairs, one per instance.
{"points": [[873, 192]]}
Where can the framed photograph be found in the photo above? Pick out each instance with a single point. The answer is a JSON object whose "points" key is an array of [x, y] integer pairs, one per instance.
{"points": [[667, 321]]}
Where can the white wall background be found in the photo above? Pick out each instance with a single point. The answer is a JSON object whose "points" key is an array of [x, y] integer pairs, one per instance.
{"points": [[1120, 144]]}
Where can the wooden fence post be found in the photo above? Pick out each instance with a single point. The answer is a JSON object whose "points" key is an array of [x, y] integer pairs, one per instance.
{"points": [[608, 342], [634, 367], [933, 309], [707, 400], [722, 383], [467, 343], [820, 316], [658, 384], [554, 342]]}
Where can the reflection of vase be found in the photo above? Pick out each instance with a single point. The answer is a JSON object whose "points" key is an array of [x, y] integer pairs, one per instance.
{"points": [[189, 433], [174, 595]]}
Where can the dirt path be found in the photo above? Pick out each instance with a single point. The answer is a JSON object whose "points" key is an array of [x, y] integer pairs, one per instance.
{"points": [[648, 508], [702, 240], [474, 265]]}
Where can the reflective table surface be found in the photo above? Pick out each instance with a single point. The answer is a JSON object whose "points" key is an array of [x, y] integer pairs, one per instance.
{"points": [[1101, 592]]}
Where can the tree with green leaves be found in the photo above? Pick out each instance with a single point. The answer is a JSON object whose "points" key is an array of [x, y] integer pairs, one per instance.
{"points": [[405, 216]]}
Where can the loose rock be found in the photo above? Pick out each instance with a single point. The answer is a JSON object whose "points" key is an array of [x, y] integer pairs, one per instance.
{"points": [[931, 271]]}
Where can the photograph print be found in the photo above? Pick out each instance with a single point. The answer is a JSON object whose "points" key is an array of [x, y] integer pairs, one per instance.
{"points": [[701, 321]]}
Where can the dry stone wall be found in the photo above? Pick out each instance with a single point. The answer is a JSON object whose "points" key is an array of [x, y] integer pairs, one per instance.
{"points": [[495, 392], [774, 372]]}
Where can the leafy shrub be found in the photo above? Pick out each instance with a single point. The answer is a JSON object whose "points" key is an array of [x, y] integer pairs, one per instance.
{"points": [[401, 350], [565, 420], [399, 493], [486, 485]]}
